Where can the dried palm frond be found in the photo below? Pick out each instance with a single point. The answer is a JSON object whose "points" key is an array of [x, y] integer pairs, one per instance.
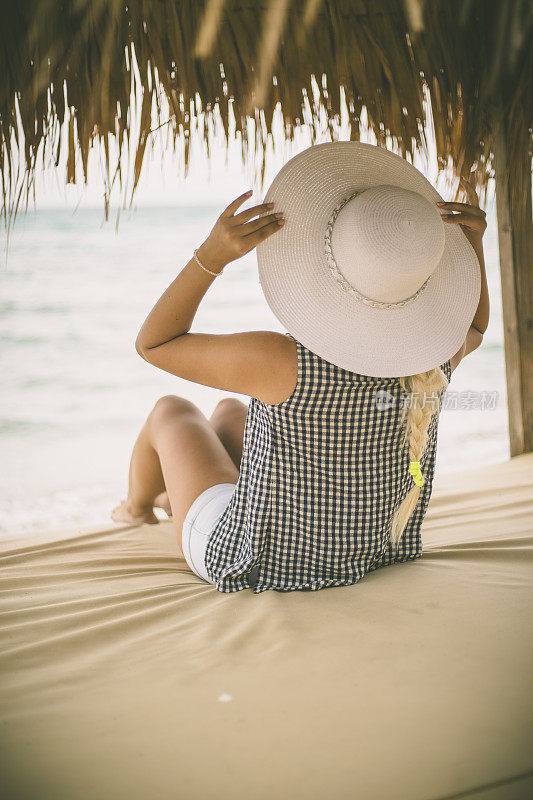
{"points": [[87, 62]]}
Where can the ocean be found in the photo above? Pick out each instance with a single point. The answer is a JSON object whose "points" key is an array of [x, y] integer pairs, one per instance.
{"points": [[74, 394]]}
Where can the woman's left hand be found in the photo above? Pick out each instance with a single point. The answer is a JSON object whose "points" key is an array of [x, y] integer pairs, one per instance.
{"points": [[235, 235], [471, 217]]}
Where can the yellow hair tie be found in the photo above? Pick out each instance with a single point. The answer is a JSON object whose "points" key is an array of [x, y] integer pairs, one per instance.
{"points": [[416, 471]]}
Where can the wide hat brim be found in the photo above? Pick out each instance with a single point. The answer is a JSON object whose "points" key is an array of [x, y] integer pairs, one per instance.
{"points": [[309, 302]]}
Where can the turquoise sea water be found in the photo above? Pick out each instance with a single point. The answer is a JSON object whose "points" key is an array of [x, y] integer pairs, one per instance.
{"points": [[74, 392]]}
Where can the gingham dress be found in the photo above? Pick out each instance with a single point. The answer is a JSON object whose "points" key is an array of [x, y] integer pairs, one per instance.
{"points": [[321, 476]]}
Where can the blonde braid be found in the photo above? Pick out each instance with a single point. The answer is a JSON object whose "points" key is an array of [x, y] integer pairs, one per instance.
{"points": [[416, 416]]}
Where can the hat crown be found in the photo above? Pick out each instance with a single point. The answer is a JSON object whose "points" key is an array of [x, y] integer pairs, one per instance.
{"points": [[386, 241]]}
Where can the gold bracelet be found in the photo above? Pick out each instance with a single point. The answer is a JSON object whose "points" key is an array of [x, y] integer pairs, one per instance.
{"points": [[202, 266]]}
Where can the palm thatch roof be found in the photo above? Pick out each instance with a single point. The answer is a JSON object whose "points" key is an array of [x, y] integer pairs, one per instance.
{"points": [[77, 61]]}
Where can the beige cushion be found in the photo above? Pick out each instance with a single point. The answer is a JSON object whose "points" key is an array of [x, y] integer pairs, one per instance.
{"points": [[126, 676]]}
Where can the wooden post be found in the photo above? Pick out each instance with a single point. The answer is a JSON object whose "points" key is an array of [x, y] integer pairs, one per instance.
{"points": [[515, 237]]}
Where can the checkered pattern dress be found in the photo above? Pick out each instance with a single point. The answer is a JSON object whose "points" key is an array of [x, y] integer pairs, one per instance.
{"points": [[321, 476]]}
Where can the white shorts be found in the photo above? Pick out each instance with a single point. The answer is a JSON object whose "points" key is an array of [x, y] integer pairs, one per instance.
{"points": [[200, 520]]}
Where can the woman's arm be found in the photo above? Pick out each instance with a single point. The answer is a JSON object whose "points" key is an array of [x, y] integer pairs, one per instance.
{"points": [[231, 237], [260, 364], [474, 224], [481, 317], [175, 310]]}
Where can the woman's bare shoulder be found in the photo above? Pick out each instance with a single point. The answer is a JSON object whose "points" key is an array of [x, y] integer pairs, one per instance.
{"points": [[278, 382]]}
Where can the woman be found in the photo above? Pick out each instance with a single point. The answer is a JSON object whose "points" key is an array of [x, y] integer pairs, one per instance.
{"points": [[327, 474]]}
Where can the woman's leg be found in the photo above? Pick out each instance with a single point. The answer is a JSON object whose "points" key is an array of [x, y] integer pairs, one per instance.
{"points": [[228, 421], [146, 478], [178, 449]]}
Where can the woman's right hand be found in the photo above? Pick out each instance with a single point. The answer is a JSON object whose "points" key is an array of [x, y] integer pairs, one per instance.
{"points": [[470, 216], [234, 235]]}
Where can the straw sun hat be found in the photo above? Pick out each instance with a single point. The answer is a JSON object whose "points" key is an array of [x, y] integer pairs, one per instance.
{"points": [[364, 272]]}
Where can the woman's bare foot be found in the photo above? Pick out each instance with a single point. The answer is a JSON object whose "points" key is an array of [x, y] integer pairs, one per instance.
{"points": [[125, 512], [162, 501]]}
